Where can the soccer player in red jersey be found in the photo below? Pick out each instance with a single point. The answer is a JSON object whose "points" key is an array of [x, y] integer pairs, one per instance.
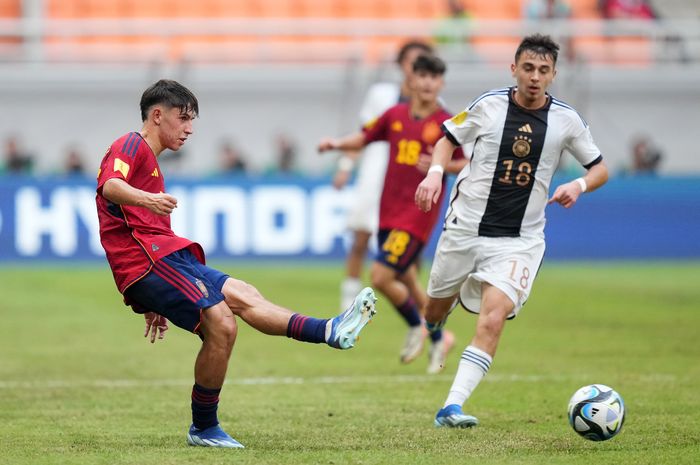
{"points": [[411, 130], [164, 276]]}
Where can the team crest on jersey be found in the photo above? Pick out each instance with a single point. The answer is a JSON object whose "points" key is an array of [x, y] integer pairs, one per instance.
{"points": [[202, 287], [397, 126], [431, 132], [521, 146], [459, 118]]}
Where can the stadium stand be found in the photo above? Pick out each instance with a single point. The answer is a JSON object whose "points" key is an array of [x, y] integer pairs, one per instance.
{"points": [[284, 61]]}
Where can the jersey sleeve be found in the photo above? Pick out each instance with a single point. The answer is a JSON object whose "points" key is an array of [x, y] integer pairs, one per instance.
{"points": [[116, 164], [583, 148], [377, 129], [463, 127]]}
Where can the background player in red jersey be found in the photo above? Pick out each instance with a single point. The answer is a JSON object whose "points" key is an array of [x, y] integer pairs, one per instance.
{"points": [[164, 277], [411, 130]]}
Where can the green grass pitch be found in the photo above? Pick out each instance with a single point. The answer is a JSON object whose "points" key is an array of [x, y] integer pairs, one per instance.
{"points": [[80, 385]]}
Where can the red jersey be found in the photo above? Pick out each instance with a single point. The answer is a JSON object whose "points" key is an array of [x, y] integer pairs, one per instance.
{"points": [[408, 138], [134, 237]]}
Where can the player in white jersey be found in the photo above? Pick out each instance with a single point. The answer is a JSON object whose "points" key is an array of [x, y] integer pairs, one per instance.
{"points": [[363, 216], [493, 241]]}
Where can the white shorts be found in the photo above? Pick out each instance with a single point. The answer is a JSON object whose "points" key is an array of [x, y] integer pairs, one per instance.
{"points": [[363, 214], [463, 262]]}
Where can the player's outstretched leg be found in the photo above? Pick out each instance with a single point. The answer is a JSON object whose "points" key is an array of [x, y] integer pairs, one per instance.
{"points": [[213, 436], [346, 327], [452, 416]]}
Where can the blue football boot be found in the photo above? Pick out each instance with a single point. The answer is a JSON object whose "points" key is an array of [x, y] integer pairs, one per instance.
{"points": [[213, 436], [346, 327], [453, 417]]}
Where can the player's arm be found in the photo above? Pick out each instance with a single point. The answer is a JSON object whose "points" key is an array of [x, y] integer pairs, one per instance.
{"points": [[351, 144], [120, 192], [343, 172], [429, 189], [567, 194]]}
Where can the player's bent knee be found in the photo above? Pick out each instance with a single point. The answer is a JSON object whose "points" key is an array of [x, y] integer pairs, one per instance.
{"points": [[493, 322], [219, 325]]}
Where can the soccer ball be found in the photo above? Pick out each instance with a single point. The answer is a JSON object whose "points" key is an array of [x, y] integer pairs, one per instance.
{"points": [[596, 412]]}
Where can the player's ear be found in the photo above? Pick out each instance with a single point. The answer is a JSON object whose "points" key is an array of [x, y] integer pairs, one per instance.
{"points": [[512, 69], [156, 115]]}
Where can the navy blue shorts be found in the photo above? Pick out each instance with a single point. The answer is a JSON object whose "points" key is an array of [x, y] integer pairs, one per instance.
{"points": [[398, 249], [178, 287]]}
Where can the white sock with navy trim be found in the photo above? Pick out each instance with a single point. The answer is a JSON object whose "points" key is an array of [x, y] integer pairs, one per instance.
{"points": [[473, 366]]}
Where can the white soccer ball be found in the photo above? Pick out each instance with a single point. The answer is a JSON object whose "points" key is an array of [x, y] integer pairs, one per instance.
{"points": [[596, 412]]}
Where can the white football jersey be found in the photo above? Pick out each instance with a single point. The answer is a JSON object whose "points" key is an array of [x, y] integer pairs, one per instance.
{"points": [[503, 192]]}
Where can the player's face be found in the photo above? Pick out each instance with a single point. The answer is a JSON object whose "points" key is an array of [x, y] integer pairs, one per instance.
{"points": [[533, 74], [427, 86], [175, 127]]}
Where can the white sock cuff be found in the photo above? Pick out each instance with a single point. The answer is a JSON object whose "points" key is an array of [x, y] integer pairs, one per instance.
{"points": [[477, 351], [477, 357]]}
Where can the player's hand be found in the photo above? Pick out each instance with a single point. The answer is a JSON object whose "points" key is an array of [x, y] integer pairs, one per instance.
{"points": [[160, 204], [156, 325], [566, 195], [428, 191], [326, 144], [341, 178], [424, 162]]}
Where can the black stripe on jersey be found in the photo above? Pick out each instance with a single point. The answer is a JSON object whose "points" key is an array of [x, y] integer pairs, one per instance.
{"points": [[524, 132], [594, 162], [449, 136]]}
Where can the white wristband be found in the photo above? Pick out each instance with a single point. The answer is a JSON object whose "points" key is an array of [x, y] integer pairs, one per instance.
{"points": [[581, 182], [345, 163], [436, 169]]}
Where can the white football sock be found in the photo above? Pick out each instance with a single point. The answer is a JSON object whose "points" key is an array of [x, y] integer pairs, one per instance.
{"points": [[349, 289], [475, 363]]}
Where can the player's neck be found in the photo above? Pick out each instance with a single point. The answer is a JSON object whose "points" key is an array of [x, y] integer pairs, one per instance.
{"points": [[522, 101], [149, 135], [423, 109]]}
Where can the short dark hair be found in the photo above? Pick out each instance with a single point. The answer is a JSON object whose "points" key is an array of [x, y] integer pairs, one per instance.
{"points": [[539, 44], [429, 63], [413, 44], [171, 93]]}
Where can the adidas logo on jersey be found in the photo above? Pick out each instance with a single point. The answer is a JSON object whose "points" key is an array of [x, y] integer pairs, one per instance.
{"points": [[155, 173], [526, 128]]}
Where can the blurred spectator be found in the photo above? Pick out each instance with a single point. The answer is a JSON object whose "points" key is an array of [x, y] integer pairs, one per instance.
{"points": [[539, 10], [626, 9], [286, 156], [546, 9], [646, 158], [16, 161], [73, 164], [231, 159], [453, 29]]}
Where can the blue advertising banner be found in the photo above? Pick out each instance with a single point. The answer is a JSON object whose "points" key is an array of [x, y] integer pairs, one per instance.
{"points": [[297, 218]]}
